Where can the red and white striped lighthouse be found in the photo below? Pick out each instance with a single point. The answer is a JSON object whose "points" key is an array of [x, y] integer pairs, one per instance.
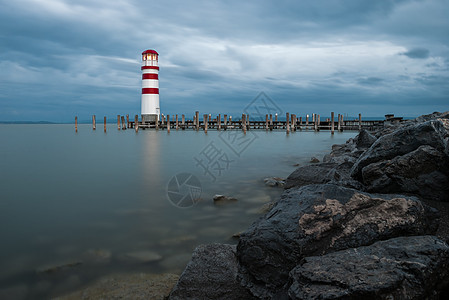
{"points": [[150, 86]]}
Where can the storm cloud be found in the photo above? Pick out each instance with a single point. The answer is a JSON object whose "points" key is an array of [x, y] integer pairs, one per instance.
{"points": [[60, 58]]}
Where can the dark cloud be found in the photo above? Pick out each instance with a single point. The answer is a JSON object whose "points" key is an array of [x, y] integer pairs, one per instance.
{"points": [[370, 81], [417, 53]]}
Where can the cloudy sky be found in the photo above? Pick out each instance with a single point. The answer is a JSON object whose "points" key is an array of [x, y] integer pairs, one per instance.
{"points": [[61, 58]]}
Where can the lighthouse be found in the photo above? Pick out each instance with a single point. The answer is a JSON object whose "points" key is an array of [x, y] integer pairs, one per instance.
{"points": [[150, 109]]}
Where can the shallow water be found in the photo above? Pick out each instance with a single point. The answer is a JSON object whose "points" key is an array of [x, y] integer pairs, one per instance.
{"points": [[77, 206]]}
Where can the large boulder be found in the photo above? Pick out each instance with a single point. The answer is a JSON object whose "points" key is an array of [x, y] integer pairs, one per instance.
{"points": [[434, 133], [318, 219], [422, 172], [210, 274], [401, 268]]}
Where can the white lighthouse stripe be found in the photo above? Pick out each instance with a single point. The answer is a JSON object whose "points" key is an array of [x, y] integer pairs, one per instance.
{"points": [[149, 83], [150, 104], [150, 71]]}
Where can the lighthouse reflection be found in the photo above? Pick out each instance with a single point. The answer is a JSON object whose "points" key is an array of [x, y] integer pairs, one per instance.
{"points": [[151, 176]]}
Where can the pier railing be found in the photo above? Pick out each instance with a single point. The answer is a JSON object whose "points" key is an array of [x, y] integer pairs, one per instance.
{"points": [[289, 124]]}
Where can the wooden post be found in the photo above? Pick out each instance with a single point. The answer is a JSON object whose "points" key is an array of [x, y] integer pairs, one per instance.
{"points": [[205, 117], [287, 122], [244, 123], [339, 123], [266, 122], [183, 122], [230, 121], [177, 123], [225, 117], [127, 121], [332, 123], [307, 121], [118, 122], [276, 118], [157, 123], [104, 124], [315, 123], [360, 122], [271, 122], [318, 121], [123, 123], [76, 124], [300, 123], [94, 123], [136, 123], [293, 122], [168, 123], [219, 122], [197, 118]]}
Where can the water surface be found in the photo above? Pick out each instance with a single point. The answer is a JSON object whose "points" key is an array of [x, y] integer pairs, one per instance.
{"points": [[78, 206]]}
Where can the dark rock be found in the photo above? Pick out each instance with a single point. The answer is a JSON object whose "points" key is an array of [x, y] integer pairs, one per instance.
{"points": [[322, 173], [314, 160], [221, 199], [433, 133], [318, 219], [210, 274], [274, 181], [401, 268], [311, 174], [420, 172], [364, 139]]}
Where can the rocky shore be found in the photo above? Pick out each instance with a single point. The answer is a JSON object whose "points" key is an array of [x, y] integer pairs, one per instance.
{"points": [[360, 224]]}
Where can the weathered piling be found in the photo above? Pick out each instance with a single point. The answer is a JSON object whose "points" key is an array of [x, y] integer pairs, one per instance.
{"points": [[360, 122], [127, 121], [76, 124], [94, 123], [136, 123], [318, 121], [183, 122], [168, 123], [205, 118], [293, 122], [271, 122], [332, 123], [244, 123], [307, 121], [287, 125], [225, 117], [123, 123], [118, 122], [177, 123], [300, 123], [104, 121], [266, 122], [276, 118], [219, 122], [197, 118]]}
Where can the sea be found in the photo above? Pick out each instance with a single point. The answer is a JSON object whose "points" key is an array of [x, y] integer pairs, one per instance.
{"points": [[78, 206]]}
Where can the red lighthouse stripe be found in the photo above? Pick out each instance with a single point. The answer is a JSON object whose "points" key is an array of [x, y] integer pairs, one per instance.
{"points": [[150, 91], [150, 76], [149, 67]]}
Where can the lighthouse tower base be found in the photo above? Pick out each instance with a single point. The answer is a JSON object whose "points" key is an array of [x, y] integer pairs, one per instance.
{"points": [[150, 118]]}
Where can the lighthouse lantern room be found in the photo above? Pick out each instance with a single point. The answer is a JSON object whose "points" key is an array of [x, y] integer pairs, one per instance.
{"points": [[150, 109]]}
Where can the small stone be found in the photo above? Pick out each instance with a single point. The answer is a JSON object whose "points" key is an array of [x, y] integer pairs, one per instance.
{"points": [[221, 199], [314, 160], [274, 181]]}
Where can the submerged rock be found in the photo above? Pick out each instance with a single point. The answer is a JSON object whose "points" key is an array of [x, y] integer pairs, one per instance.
{"points": [[401, 268], [318, 219], [221, 199], [274, 181], [314, 160], [210, 274]]}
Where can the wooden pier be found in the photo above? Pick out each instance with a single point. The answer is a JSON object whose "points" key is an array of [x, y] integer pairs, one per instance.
{"points": [[291, 123]]}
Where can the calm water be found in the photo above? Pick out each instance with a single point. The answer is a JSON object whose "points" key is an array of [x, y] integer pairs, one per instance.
{"points": [[77, 206]]}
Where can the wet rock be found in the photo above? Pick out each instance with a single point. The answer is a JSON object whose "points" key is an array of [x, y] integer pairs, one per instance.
{"points": [[318, 219], [314, 160], [364, 139], [422, 172], [434, 133], [323, 173], [274, 181], [401, 268], [58, 267], [211, 274], [221, 199]]}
